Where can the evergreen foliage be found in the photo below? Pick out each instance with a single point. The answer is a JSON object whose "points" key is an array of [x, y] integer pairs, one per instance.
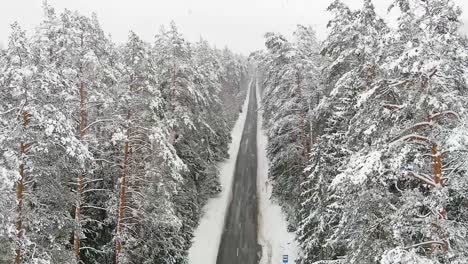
{"points": [[385, 177], [108, 152]]}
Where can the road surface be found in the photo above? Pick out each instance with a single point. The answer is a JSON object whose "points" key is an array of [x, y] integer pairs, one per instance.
{"points": [[239, 239]]}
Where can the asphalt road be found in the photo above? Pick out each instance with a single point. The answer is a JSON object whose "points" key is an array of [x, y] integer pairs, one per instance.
{"points": [[239, 239]]}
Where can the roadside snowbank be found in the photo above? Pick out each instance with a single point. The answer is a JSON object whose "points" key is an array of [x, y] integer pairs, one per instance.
{"points": [[273, 236], [207, 235]]}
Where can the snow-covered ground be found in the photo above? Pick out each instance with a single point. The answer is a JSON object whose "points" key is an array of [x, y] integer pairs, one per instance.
{"points": [[273, 236], [205, 245]]}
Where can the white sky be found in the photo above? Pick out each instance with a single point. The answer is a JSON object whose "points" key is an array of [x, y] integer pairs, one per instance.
{"points": [[238, 24]]}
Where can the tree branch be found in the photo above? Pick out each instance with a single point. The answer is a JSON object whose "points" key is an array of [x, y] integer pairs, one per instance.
{"points": [[414, 137], [426, 243], [423, 179], [95, 122]]}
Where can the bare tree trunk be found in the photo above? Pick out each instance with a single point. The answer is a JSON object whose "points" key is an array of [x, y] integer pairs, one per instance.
{"points": [[123, 193], [437, 164], [20, 194], [437, 167], [80, 180]]}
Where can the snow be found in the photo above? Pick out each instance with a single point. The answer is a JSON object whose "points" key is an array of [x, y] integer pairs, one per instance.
{"points": [[273, 236], [371, 129], [402, 256], [364, 96], [359, 169], [7, 179], [207, 235], [458, 139]]}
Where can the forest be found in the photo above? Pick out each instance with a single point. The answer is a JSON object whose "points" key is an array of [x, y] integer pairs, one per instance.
{"points": [[109, 152], [368, 134], [109, 149]]}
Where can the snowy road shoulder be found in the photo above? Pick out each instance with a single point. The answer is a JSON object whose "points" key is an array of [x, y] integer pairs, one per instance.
{"points": [[207, 235], [273, 236]]}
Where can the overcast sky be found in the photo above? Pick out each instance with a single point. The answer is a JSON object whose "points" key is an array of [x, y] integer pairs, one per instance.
{"points": [[238, 24]]}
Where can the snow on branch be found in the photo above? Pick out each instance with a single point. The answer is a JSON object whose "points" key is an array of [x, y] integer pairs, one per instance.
{"points": [[427, 243], [413, 137], [10, 110], [423, 178], [442, 114], [393, 107], [420, 125], [96, 122], [93, 249], [335, 261], [396, 84]]}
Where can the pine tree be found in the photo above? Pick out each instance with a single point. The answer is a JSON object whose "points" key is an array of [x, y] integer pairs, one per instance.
{"points": [[385, 199], [350, 74], [151, 168], [425, 69], [46, 135], [18, 75], [291, 76], [74, 49], [86, 124]]}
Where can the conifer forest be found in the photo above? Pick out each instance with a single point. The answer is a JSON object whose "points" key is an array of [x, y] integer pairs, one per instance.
{"points": [[350, 148]]}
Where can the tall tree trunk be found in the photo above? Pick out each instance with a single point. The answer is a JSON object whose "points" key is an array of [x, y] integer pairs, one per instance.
{"points": [[80, 180], [437, 168], [123, 193], [20, 193], [437, 164]]}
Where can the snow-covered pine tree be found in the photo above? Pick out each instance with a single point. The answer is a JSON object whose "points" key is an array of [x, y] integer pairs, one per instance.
{"points": [[234, 79], [351, 50], [16, 79], [281, 102], [74, 48], [317, 221], [47, 135], [151, 169], [66, 94], [425, 66], [209, 144], [290, 71], [173, 56], [7, 181], [408, 108]]}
